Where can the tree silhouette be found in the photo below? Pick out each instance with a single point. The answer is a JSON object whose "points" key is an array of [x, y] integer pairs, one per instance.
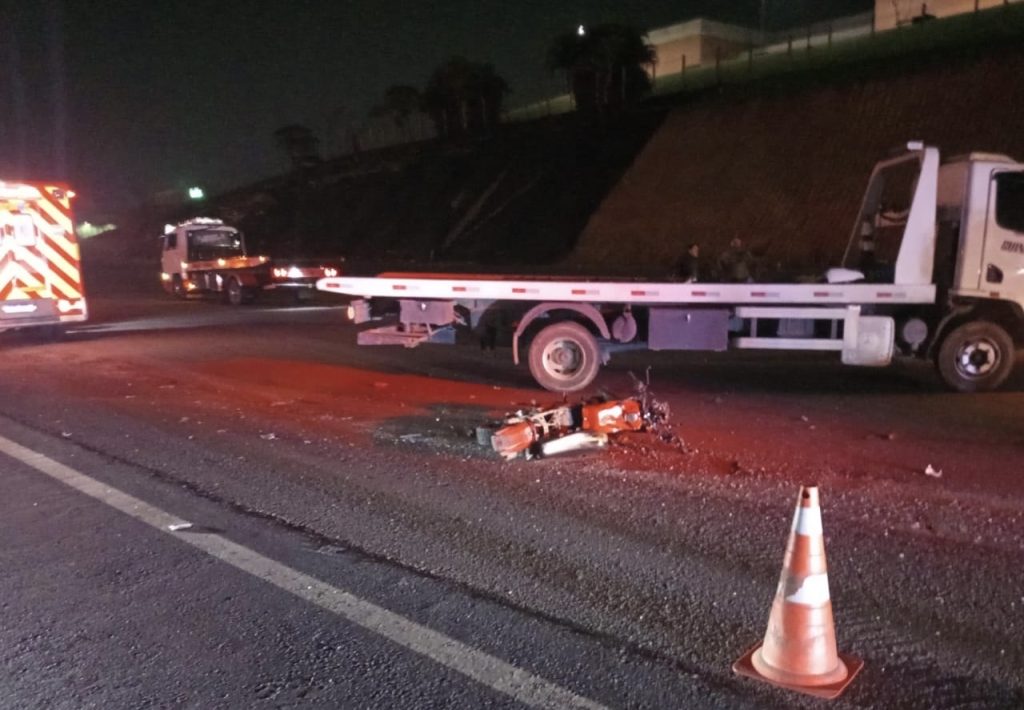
{"points": [[605, 65], [464, 97], [300, 145], [402, 102]]}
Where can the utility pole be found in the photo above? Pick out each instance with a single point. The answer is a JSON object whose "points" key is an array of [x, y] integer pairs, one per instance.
{"points": [[16, 86], [764, 22], [55, 39]]}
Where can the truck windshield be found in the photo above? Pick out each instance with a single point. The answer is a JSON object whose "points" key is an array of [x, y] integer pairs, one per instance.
{"points": [[207, 244]]}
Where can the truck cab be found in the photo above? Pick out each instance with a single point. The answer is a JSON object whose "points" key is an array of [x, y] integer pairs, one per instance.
{"points": [[204, 255], [983, 196], [958, 224]]}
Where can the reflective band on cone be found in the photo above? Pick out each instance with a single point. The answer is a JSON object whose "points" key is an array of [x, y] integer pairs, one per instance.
{"points": [[799, 649]]}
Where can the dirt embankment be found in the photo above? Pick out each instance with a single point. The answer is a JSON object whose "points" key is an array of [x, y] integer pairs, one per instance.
{"points": [[786, 169], [520, 197]]}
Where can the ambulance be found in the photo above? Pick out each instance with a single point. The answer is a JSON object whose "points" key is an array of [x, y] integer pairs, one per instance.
{"points": [[40, 265]]}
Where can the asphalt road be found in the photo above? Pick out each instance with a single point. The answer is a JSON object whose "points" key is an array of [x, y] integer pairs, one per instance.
{"points": [[351, 546]]}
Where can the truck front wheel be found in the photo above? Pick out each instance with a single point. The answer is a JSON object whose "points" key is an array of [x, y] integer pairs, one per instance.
{"points": [[976, 357], [178, 287], [564, 357]]}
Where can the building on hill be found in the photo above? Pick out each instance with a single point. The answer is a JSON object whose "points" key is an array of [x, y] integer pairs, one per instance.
{"points": [[702, 42], [699, 41], [890, 14]]}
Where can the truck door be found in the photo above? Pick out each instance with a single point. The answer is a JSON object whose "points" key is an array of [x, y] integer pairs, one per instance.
{"points": [[1002, 268], [170, 256]]}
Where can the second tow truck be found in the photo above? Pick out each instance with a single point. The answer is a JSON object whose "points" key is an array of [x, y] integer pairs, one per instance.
{"points": [[205, 255]]}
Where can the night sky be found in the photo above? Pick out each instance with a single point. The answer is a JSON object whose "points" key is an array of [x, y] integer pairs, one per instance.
{"points": [[163, 94]]}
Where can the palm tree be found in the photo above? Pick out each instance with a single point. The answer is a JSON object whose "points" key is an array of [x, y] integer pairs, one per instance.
{"points": [[402, 102], [605, 65], [464, 97]]}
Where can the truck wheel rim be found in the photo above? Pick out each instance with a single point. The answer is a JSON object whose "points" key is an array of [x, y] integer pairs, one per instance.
{"points": [[977, 358], [563, 358]]}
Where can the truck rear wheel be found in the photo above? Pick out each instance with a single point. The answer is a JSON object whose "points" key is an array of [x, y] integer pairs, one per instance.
{"points": [[235, 293], [976, 357], [564, 357]]}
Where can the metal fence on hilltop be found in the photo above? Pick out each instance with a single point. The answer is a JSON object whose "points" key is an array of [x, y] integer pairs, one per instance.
{"points": [[845, 40]]}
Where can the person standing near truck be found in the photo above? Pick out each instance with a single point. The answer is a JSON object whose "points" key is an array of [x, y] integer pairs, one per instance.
{"points": [[735, 264], [688, 269]]}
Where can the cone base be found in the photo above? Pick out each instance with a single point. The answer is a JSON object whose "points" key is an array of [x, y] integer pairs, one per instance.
{"points": [[745, 667]]}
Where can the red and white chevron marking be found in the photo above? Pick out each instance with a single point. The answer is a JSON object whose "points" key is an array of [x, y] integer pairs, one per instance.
{"points": [[39, 256]]}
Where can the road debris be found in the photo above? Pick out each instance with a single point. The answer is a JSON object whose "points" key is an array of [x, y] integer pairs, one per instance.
{"points": [[933, 472], [269, 436], [575, 427], [738, 468], [175, 527]]}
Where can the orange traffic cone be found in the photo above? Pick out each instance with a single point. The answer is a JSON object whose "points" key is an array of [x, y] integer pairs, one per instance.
{"points": [[799, 648]]}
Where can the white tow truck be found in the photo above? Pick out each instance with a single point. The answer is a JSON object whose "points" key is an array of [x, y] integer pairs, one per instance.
{"points": [[204, 255], [934, 269]]}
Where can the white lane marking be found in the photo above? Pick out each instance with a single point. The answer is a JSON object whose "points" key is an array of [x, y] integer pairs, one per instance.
{"points": [[520, 684]]}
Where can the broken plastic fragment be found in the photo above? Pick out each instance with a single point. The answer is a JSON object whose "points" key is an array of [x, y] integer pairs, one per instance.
{"points": [[613, 417], [577, 441], [175, 527], [511, 440]]}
